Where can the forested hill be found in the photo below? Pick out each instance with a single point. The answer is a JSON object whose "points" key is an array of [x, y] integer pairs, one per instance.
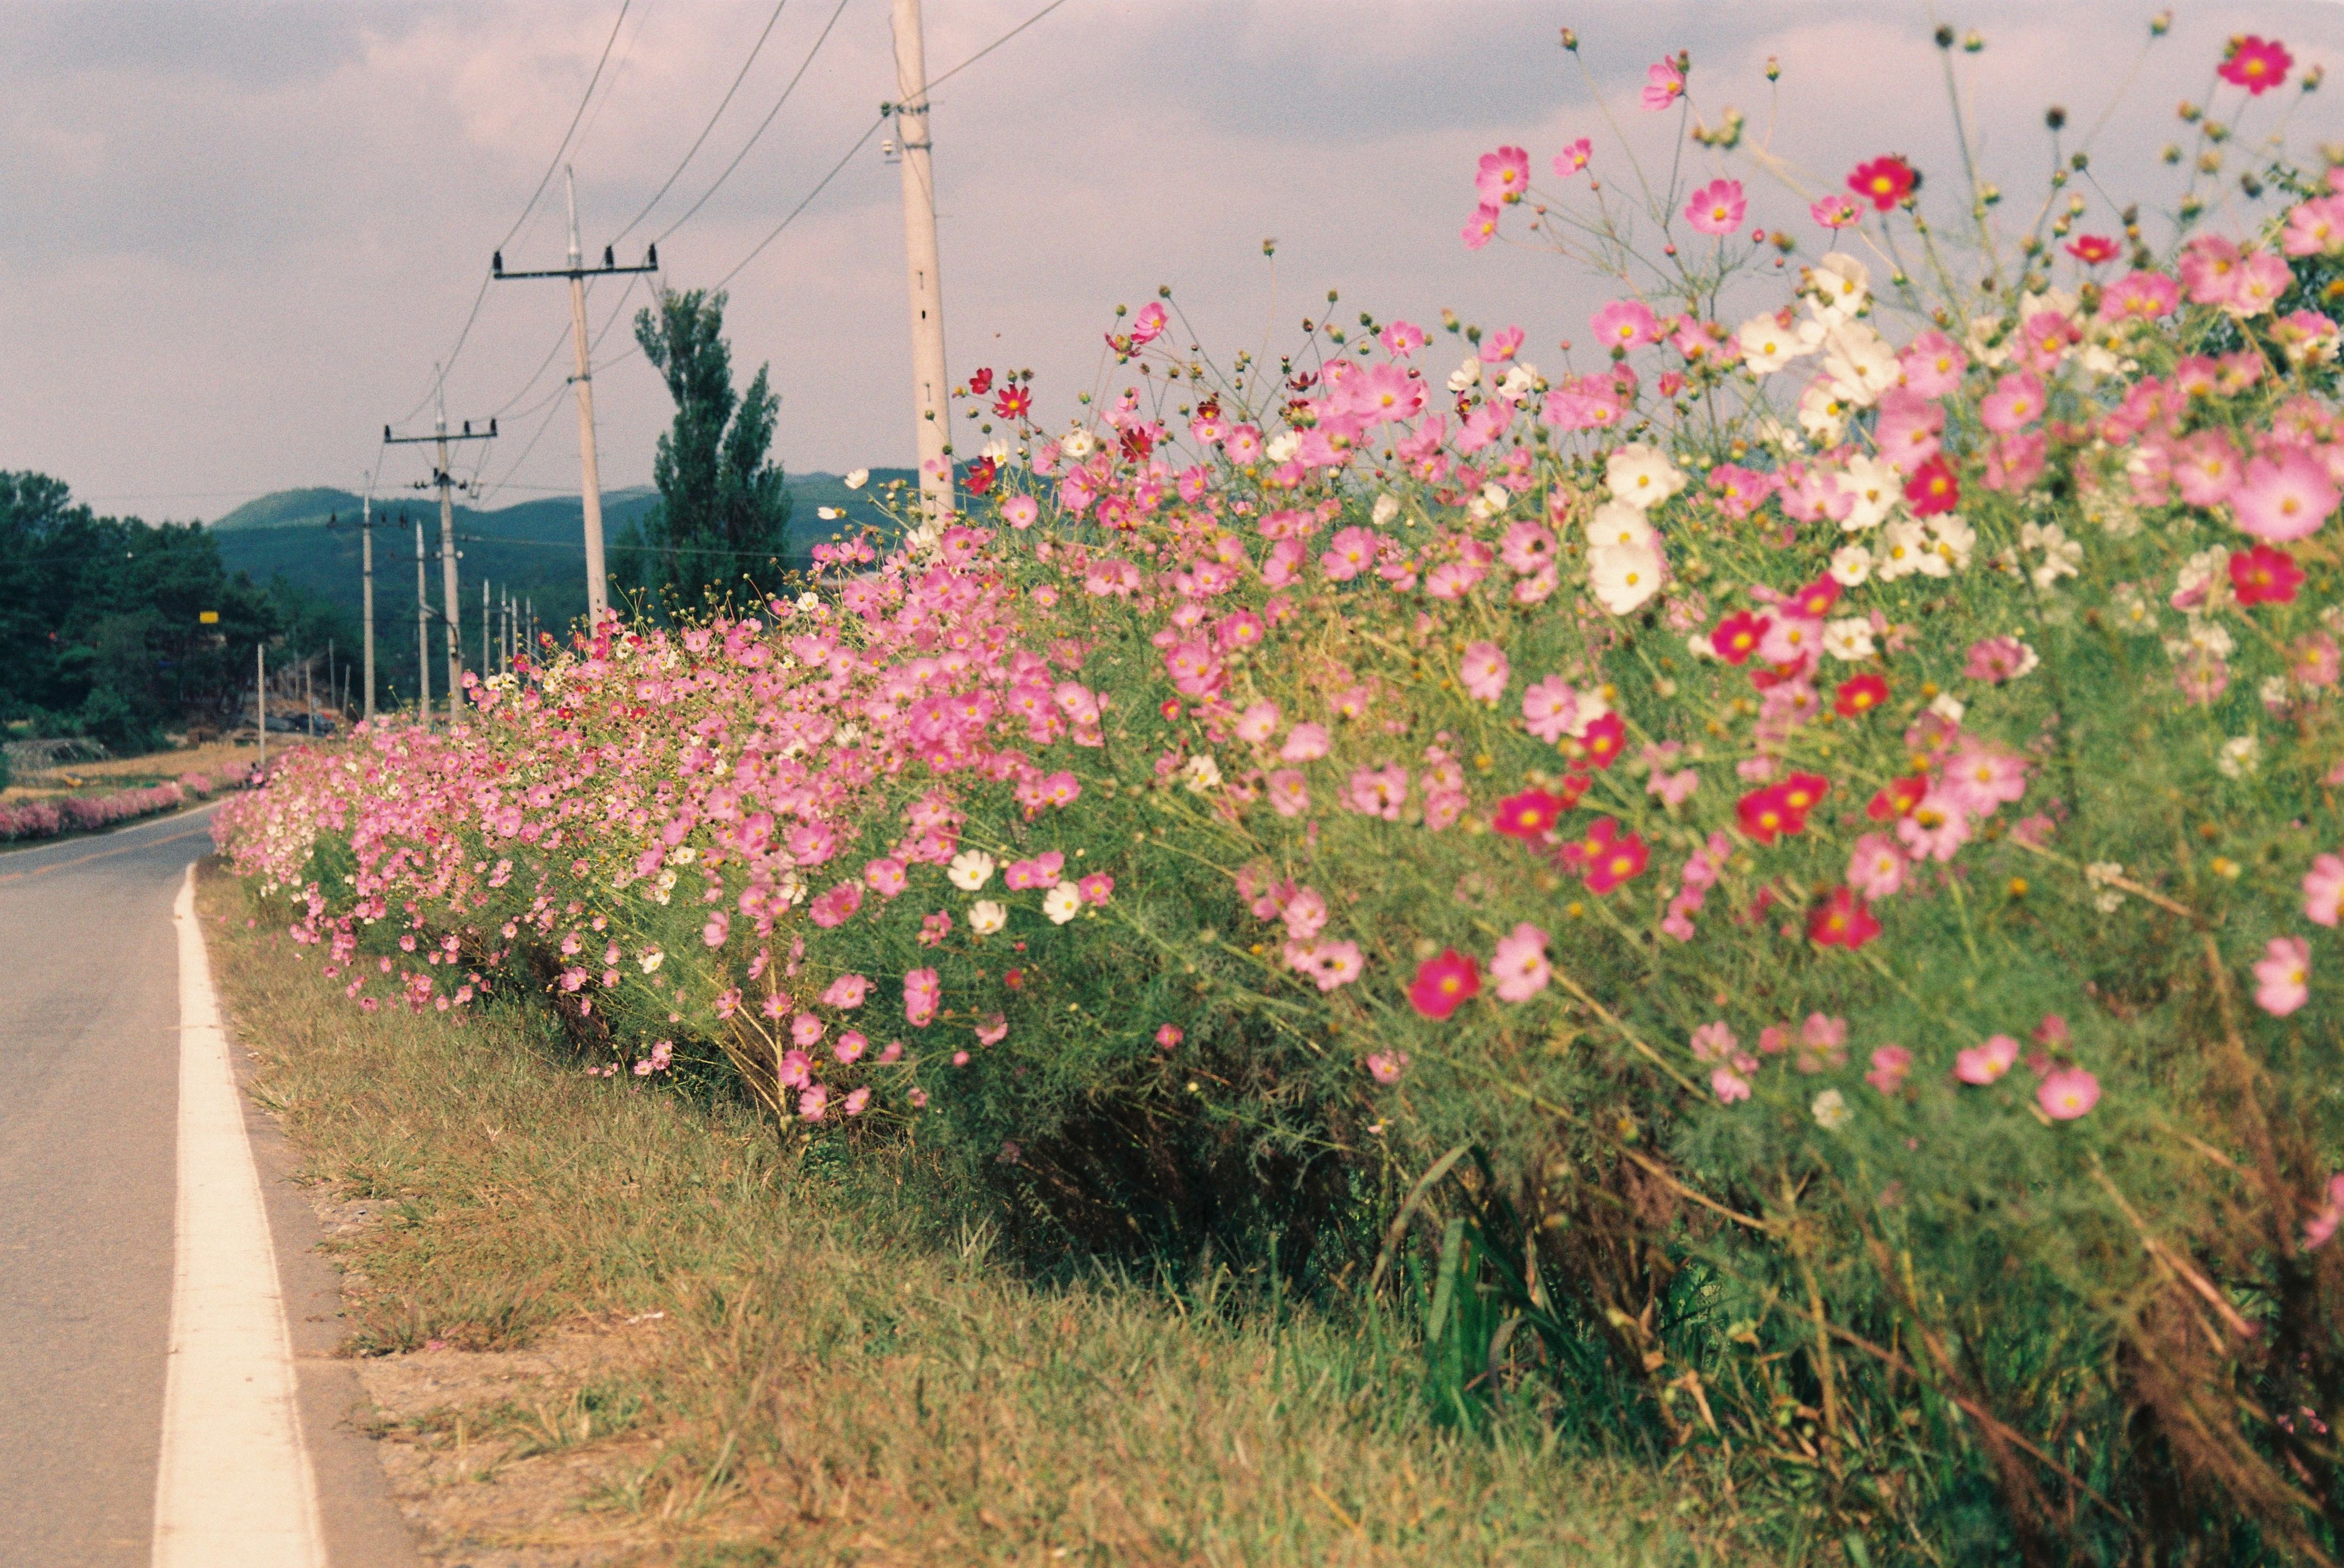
{"points": [[535, 548]]}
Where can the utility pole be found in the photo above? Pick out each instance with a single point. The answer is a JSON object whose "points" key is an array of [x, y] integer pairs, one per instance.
{"points": [[422, 630], [928, 384], [446, 482], [589, 491], [366, 556], [488, 658], [260, 698]]}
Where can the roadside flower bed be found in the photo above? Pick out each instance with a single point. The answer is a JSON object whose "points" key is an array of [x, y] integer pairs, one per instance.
{"points": [[1811, 829], [83, 813]]}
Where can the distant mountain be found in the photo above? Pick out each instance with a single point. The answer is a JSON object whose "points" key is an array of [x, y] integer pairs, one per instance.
{"points": [[535, 549]]}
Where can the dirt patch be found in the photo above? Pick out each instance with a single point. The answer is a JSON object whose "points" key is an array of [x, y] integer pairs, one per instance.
{"points": [[493, 1456]]}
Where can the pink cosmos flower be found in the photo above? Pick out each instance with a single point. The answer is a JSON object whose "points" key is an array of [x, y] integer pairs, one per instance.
{"points": [[851, 1046], [1625, 324], [1728, 1085], [1663, 84], [1305, 913], [2067, 1093], [1673, 789], [1378, 791], [1717, 207], [719, 927], [2284, 498], [1519, 965], [1890, 1064], [1020, 511], [1257, 723], [1484, 672], [1980, 778], [1876, 867], [922, 992], [1836, 212], [1169, 1036], [1386, 1066], [2313, 661], [1289, 793], [806, 1030], [2322, 1226], [1933, 364], [857, 1098], [1349, 553], [1573, 157], [795, 1069], [2206, 468], [1095, 888], [993, 1031], [1305, 743], [1401, 339], [1329, 964], [2283, 976], [1481, 228], [1526, 547], [1551, 709], [2139, 297], [1995, 660], [2315, 228], [1985, 1064], [885, 876], [846, 992], [2209, 269], [2016, 402], [2323, 889], [1504, 175]]}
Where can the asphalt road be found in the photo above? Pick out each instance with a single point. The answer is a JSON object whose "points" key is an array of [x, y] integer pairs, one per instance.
{"points": [[89, 1058]]}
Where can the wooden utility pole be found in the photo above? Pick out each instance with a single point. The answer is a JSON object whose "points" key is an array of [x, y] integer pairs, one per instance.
{"points": [[589, 478], [450, 608], [929, 388]]}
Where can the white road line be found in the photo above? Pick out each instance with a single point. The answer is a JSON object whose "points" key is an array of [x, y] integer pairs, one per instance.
{"points": [[234, 1490]]}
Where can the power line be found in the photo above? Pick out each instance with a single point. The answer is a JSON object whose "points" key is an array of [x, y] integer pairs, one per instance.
{"points": [[762, 124], [936, 82], [677, 172], [440, 379], [776, 233]]}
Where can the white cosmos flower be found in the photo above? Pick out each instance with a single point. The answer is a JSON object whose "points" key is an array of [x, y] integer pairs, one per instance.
{"points": [[1076, 443], [1849, 638], [1521, 379], [1491, 500], [651, 960], [1465, 376], [1201, 773], [1617, 522], [1830, 1110], [1949, 708], [828, 513], [1840, 286], [970, 870], [1861, 364], [986, 916], [1643, 475], [999, 452], [2241, 755], [1877, 489], [1823, 412], [1951, 540], [1904, 545], [858, 478], [1623, 576], [1387, 508], [1851, 565], [1283, 446], [1062, 902], [1767, 345]]}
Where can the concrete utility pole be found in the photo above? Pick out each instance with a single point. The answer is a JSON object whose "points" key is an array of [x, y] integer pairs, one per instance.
{"points": [[589, 478], [366, 558], [929, 386], [422, 633], [487, 655], [260, 698], [450, 607]]}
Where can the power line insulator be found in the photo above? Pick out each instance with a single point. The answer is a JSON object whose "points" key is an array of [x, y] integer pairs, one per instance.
{"points": [[609, 260], [497, 264]]}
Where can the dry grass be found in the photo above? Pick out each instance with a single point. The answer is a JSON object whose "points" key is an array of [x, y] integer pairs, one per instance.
{"points": [[117, 772], [821, 1386]]}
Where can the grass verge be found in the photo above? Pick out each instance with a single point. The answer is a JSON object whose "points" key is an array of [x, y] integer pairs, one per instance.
{"points": [[607, 1324]]}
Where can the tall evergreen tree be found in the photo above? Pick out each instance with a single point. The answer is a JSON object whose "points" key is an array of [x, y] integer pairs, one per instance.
{"points": [[723, 512]]}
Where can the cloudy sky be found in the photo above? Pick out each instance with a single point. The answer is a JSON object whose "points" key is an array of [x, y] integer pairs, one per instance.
{"points": [[234, 237]]}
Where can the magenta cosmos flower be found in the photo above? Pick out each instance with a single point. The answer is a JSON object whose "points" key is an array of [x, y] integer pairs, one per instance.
{"points": [[1717, 207], [1445, 983], [1504, 175], [2256, 64]]}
